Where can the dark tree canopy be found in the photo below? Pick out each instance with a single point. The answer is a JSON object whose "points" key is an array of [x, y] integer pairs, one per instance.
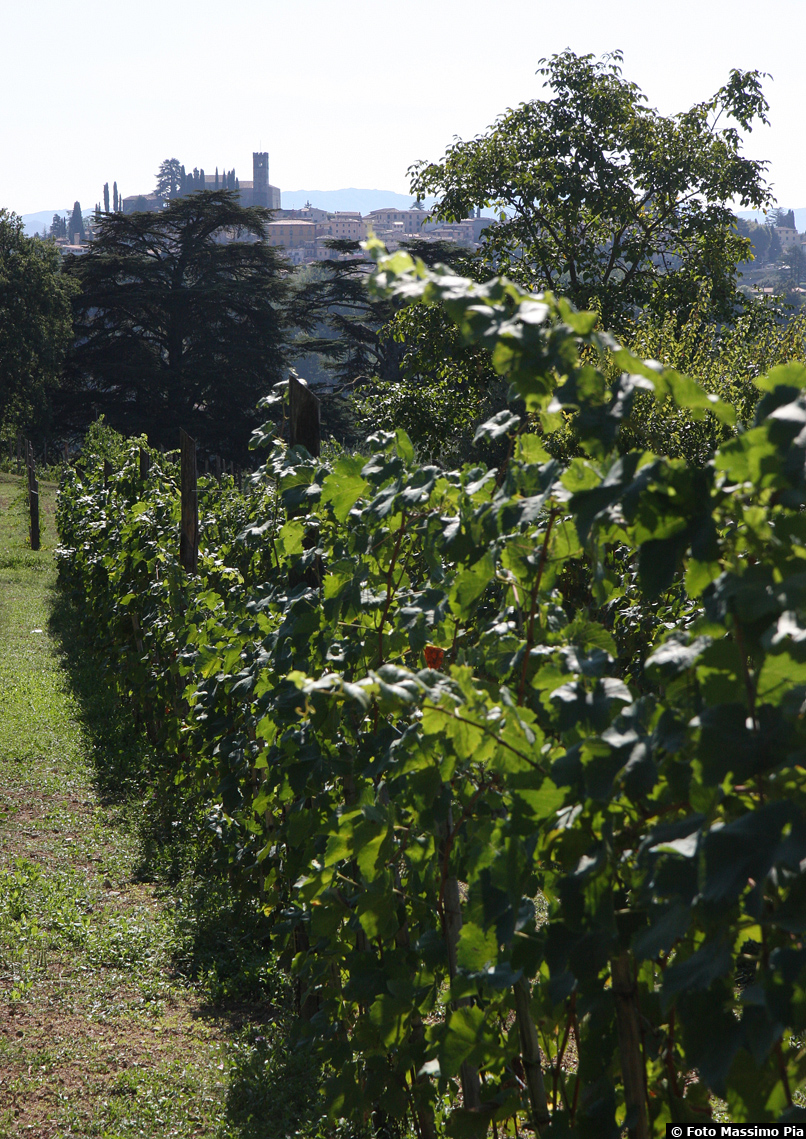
{"points": [[179, 322], [35, 325], [605, 200], [346, 326], [341, 322]]}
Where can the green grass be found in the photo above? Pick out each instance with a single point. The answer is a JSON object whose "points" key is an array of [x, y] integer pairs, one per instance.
{"points": [[135, 997]]}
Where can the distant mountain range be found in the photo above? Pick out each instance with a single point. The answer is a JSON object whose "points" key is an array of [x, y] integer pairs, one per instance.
{"points": [[365, 201], [352, 198]]}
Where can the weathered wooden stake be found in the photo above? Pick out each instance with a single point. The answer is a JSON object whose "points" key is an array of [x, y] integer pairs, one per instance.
{"points": [[66, 455], [33, 496], [633, 1072], [145, 463], [530, 1054], [107, 473], [304, 414], [189, 536]]}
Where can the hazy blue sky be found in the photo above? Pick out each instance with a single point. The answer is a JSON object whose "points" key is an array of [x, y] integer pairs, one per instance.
{"points": [[344, 92]]}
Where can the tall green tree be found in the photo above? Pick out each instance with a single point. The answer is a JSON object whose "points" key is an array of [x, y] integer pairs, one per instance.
{"points": [[606, 200], [106, 197], [785, 219], [75, 226], [179, 322], [35, 326], [169, 178]]}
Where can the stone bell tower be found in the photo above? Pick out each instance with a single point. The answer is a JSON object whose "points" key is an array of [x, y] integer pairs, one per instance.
{"points": [[260, 178]]}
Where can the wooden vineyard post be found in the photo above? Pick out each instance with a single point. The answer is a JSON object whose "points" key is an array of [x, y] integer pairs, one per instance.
{"points": [[530, 1055], [189, 536], [633, 1072], [33, 496], [305, 432], [145, 463], [304, 414], [107, 473]]}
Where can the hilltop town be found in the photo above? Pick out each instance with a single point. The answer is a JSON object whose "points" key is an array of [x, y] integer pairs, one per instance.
{"points": [[304, 234]]}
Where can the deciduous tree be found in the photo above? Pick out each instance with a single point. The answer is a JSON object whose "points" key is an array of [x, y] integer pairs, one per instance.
{"points": [[35, 324], [606, 200]]}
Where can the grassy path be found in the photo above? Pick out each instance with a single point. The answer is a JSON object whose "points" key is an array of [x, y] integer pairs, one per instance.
{"points": [[97, 1037]]}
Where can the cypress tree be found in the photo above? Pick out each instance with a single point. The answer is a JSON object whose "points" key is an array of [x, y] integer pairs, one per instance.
{"points": [[216, 177], [106, 197], [76, 224], [114, 197]]}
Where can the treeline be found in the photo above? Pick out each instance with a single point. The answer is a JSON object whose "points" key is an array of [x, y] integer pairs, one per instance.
{"points": [[173, 181], [185, 315], [120, 333]]}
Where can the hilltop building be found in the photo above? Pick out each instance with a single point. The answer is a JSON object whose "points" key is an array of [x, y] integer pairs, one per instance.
{"points": [[409, 222], [257, 192], [788, 236], [291, 232], [304, 233]]}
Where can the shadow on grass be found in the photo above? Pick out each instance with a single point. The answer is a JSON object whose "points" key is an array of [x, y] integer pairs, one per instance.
{"points": [[221, 937], [123, 765], [273, 1091]]}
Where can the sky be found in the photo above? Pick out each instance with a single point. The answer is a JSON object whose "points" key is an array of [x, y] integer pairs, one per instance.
{"points": [[345, 92]]}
